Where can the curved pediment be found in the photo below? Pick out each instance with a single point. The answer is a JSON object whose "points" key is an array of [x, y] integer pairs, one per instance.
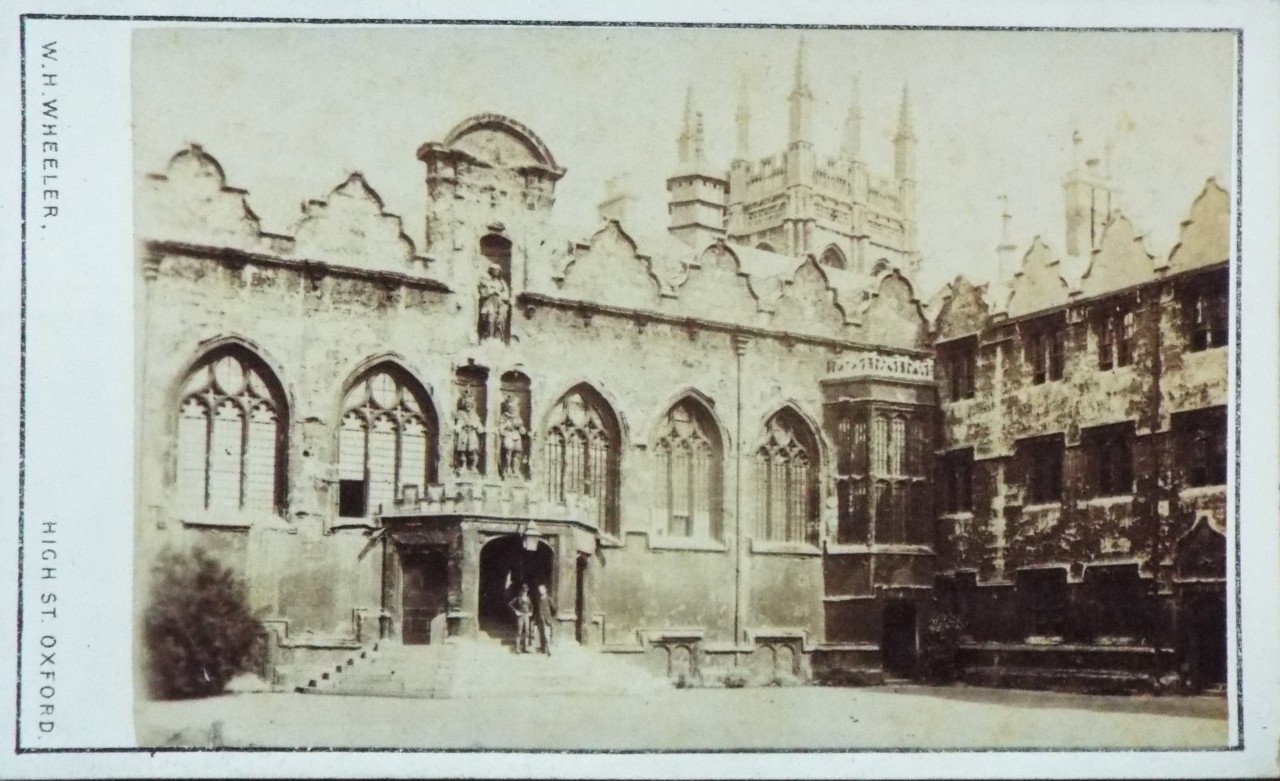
{"points": [[964, 311], [892, 316], [501, 142], [808, 304], [1205, 236], [351, 227], [1121, 260], [1038, 284], [191, 202]]}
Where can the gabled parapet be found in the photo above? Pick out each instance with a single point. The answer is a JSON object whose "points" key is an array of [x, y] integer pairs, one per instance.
{"points": [[609, 269], [807, 303], [892, 315], [1205, 236], [351, 228], [1121, 260], [964, 312], [1038, 284], [192, 203]]}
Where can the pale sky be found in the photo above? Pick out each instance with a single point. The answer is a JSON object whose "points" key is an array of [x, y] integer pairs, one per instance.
{"points": [[290, 111]]}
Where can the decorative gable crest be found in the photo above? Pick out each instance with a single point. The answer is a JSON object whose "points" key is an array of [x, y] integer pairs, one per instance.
{"points": [[192, 203], [1205, 236], [1120, 260], [1038, 283], [351, 227]]}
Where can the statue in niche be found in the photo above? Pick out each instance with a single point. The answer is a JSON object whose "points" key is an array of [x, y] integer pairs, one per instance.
{"points": [[495, 305], [468, 434], [512, 437]]}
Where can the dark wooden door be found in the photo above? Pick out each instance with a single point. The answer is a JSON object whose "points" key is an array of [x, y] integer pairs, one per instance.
{"points": [[425, 593], [898, 642]]}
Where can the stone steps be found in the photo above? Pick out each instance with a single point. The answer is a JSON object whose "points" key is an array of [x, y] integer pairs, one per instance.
{"points": [[484, 667]]}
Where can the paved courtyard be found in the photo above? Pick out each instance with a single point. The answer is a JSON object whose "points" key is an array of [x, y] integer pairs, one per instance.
{"points": [[761, 718]]}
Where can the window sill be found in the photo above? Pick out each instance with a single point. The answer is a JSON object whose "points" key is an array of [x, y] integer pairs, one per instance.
{"points": [[960, 515], [769, 548], [353, 523], [687, 544], [1042, 507], [1199, 491], [1106, 501], [240, 520]]}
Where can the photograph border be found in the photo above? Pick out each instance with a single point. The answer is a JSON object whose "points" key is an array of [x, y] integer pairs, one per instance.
{"points": [[1235, 265]]}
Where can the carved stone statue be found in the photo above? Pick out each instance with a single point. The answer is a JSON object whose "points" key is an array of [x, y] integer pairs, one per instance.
{"points": [[468, 434], [495, 305], [512, 434]]}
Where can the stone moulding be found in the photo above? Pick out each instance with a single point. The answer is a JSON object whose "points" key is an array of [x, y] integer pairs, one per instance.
{"points": [[310, 269]]}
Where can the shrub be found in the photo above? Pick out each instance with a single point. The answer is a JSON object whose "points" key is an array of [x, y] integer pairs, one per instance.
{"points": [[940, 649], [198, 629]]}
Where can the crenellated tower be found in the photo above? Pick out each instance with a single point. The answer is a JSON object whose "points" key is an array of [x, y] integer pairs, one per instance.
{"points": [[800, 201], [698, 194]]}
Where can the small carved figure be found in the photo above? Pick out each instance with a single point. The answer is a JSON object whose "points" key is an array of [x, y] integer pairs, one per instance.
{"points": [[468, 434], [495, 305], [512, 434]]}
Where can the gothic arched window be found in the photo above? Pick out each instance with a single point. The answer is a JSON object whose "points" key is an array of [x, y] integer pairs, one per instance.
{"points": [[582, 456], [787, 481], [833, 257], [689, 454], [386, 442], [231, 435]]}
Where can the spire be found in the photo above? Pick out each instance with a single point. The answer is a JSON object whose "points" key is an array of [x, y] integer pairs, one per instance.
{"points": [[699, 140], [684, 143], [904, 141], [904, 116], [801, 100], [853, 124], [744, 121], [800, 85]]}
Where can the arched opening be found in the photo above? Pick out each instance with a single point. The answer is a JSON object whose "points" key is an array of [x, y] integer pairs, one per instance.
{"points": [[787, 480], [833, 257], [513, 427], [766, 246], [386, 442], [232, 434], [690, 463], [582, 450], [497, 250], [506, 564], [494, 321]]}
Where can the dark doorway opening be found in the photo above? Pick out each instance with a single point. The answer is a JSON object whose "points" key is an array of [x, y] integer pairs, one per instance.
{"points": [[1205, 639], [425, 593], [898, 641], [505, 564], [580, 600]]}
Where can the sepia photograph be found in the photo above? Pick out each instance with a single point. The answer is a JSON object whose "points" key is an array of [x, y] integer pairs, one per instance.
{"points": [[682, 388]]}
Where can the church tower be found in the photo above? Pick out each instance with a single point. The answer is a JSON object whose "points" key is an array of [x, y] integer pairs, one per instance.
{"points": [[697, 205], [1090, 199]]}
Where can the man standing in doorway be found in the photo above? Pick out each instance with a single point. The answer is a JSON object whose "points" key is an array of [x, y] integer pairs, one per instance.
{"points": [[546, 615], [522, 606]]}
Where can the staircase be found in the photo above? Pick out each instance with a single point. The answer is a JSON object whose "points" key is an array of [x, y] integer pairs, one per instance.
{"points": [[484, 667]]}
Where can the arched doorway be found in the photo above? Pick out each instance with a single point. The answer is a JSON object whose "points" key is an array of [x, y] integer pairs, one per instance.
{"points": [[505, 563]]}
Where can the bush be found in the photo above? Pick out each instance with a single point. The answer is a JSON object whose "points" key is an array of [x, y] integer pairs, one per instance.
{"points": [[940, 649], [199, 631]]}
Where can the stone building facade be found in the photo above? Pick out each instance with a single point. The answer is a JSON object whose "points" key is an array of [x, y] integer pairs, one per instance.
{"points": [[714, 454], [1082, 474]]}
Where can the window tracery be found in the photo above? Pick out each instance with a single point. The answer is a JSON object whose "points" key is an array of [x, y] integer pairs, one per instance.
{"points": [[385, 444]]}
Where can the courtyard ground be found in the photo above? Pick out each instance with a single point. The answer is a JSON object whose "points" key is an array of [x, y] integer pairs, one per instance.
{"points": [[804, 717]]}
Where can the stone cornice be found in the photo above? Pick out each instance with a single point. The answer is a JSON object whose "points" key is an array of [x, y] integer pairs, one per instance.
{"points": [[312, 269], [693, 324]]}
